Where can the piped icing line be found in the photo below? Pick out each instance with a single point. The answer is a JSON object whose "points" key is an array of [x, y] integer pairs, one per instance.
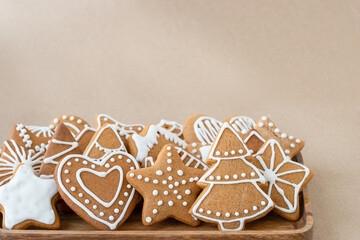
{"points": [[146, 143], [271, 174], [103, 162], [174, 126], [72, 146], [127, 129], [184, 154], [242, 124], [206, 129], [41, 131], [18, 155], [86, 129], [37, 194], [254, 133]]}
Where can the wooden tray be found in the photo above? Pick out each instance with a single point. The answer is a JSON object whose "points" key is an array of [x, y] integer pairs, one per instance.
{"points": [[271, 226]]}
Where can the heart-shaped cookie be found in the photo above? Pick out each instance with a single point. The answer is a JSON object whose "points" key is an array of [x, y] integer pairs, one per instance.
{"points": [[97, 190]]}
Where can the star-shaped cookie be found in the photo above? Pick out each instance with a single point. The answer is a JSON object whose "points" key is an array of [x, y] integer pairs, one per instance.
{"points": [[168, 188], [286, 178], [28, 200]]}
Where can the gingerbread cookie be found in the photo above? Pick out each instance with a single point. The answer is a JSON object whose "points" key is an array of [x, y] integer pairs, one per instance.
{"points": [[28, 200], [200, 131], [150, 141], [168, 188], [107, 139], [231, 195], [61, 145], [173, 127], [79, 128], [254, 140], [13, 154], [28, 139], [241, 124], [286, 178], [290, 144], [97, 190]]}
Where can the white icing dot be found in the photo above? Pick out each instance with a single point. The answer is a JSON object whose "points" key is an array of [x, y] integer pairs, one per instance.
{"points": [[291, 137], [131, 175], [246, 211], [120, 157], [128, 186], [126, 194], [128, 161], [194, 144], [277, 130], [292, 145], [184, 203], [218, 177], [169, 154], [56, 120], [264, 118], [263, 203], [64, 117], [87, 201], [169, 161], [132, 168], [261, 124], [108, 165], [179, 197], [237, 213], [227, 214], [155, 181], [116, 210], [271, 124], [73, 189], [69, 163], [183, 181], [106, 119], [191, 179], [139, 177], [283, 135], [287, 151], [180, 172], [94, 207], [297, 140], [166, 193], [176, 184], [79, 121], [235, 176], [243, 175], [217, 153], [170, 178], [121, 203], [171, 186], [194, 151], [72, 118], [92, 165], [218, 214], [226, 153], [159, 172], [155, 192], [226, 177], [148, 219], [168, 148], [111, 218], [155, 211], [254, 208], [211, 178], [67, 180], [170, 203], [101, 214], [160, 203], [176, 191], [252, 174], [187, 191], [240, 151], [164, 182], [233, 152], [66, 171], [169, 169], [85, 162], [201, 210], [146, 179], [81, 195], [76, 159], [208, 212], [139, 128], [112, 160]]}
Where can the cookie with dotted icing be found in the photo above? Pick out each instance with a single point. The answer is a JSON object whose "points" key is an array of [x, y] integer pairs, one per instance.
{"points": [[150, 141], [168, 188], [231, 196], [126, 129], [61, 145], [27, 200], [97, 190], [107, 139], [172, 126], [267, 129], [30, 139], [241, 124], [13, 154], [286, 178]]}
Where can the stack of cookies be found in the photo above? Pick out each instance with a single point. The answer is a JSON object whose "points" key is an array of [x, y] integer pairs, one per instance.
{"points": [[228, 173]]}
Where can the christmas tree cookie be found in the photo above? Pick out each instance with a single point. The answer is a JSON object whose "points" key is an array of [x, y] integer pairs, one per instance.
{"points": [[168, 188], [231, 195], [286, 178]]}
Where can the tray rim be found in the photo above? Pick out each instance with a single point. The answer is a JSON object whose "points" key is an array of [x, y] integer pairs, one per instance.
{"points": [[304, 232]]}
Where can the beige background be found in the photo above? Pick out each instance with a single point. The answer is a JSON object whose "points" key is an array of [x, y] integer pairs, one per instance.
{"points": [[140, 61]]}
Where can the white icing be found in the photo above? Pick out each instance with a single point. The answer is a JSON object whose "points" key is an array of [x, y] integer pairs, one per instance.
{"points": [[146, 143], [204, 151], [272, 176], [125, 128], [174, 126], [199, 164], [206, 129], [256, 134], [27, 197], [41, 131], [51, 159]]}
